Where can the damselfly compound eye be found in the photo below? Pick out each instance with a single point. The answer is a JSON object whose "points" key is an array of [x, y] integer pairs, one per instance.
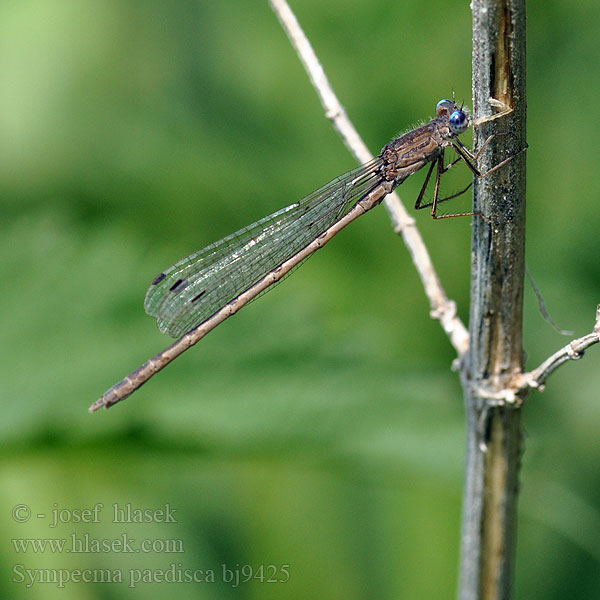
{"points": [[458, 122], [444, 106]]}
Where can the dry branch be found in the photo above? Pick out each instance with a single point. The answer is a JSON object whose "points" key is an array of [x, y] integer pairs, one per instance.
{"points": [[442, 308]]}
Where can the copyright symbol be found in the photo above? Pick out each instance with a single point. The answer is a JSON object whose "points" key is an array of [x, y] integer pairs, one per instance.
{"points": [[21, 513]]}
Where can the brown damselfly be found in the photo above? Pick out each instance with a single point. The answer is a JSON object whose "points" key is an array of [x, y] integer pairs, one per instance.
{"points": [[199, 292]]}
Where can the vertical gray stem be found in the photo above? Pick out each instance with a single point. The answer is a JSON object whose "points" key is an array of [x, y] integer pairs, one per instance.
{"points": [[498, 260]]}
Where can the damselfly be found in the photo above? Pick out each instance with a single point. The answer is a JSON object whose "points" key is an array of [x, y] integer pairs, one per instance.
{"points": [[200, 291]]}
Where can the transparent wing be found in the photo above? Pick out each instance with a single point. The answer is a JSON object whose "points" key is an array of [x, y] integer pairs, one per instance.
{"points": [[199, 285]]}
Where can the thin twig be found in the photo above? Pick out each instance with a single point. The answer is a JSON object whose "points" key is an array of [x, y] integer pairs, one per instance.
{"points": [[442, 308], [574, 350]]}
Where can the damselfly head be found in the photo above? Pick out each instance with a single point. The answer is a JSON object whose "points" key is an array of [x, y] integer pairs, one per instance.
{"points": [[458, 117]]}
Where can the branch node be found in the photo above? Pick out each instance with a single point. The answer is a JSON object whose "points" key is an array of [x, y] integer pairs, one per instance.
{"points": [[444, 311], [506, 397], [403, 222], [572, 353], [334, 113], [574, 350]]}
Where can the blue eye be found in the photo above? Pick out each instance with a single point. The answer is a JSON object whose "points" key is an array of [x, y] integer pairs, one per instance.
{"points": [[458, 122]]}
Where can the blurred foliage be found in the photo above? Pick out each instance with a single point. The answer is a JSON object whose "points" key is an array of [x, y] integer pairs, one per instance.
{"points": [[322, 427]]}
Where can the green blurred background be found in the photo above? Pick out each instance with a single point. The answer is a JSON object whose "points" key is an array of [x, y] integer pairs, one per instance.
{"points": [[322, 427]]}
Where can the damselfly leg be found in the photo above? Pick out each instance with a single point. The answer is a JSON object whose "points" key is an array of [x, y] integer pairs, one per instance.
{"points": [[469, 158]]}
